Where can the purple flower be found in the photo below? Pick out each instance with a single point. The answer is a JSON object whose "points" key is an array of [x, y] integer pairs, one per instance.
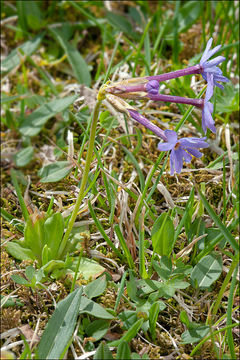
{"points": [[210, 67], [182, 149], [152, 87], [207, 119]]}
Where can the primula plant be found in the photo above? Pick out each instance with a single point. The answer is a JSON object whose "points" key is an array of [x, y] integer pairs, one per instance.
{"points": [[148, 88], [121, 205]]}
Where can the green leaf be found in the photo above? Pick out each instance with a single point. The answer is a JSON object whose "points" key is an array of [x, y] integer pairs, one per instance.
{"points": [[153, 316], [164, 270], [24, 156], [14, 58], [123, 351], [34, 234], [206, 271], [184, 318], [60, 327], [97, 329], [55, 171], [193, 11], [30, 272], [88, 268], [14, 179], [107, 121], [19, 252], [121, 23], [19, 280], [103, 352], [30, 15], [33, 123], [128, 318], [226, 233], [228, 101], [194, 335], [163, 235], [77, 62], [96, 287], [53, 231], [130, 334], [92, 308], [11, 301]]}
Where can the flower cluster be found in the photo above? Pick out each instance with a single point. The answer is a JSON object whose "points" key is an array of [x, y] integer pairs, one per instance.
{"points": [[148, 88]]}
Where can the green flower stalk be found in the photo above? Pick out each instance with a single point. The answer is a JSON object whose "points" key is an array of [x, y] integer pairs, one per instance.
{"points": [[85, 174]]}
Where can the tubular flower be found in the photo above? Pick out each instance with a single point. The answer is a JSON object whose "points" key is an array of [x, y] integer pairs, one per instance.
{"points": [[210, 67], [207, 119], [182, 149]]}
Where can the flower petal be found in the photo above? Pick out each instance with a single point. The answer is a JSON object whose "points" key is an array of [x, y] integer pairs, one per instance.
{"points": [[178, 160], [165, 146], [207, 120], [171, 136], [193, 142], [187, 157], [209, 92], [216, 61], [213, 51], [194, 152], [172, 162], [205, 53]]}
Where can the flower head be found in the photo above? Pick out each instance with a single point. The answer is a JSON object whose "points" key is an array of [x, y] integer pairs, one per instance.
{"points": [[210, 67], [182, 149]]}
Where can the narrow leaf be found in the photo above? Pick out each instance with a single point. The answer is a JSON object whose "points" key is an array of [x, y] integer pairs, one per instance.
{"points": [[77, 62], [228, 236], [14, 58], [33, 123], [123, 351], [130, 334], [103, 352], [60, 327]]}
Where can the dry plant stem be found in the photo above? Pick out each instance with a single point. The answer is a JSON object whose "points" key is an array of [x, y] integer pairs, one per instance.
{"points": [[84, 177]]}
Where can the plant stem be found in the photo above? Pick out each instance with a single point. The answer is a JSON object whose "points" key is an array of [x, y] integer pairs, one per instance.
{"points": [[177, 99], [191, 70], [84, 177]]}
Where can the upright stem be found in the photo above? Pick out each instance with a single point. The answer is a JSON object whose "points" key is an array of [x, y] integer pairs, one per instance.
{"points": [[84, 177]]}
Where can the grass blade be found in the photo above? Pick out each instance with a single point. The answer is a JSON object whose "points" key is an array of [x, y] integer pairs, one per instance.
{"points": [[226, 233], [124, 247], [102, 232]]}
